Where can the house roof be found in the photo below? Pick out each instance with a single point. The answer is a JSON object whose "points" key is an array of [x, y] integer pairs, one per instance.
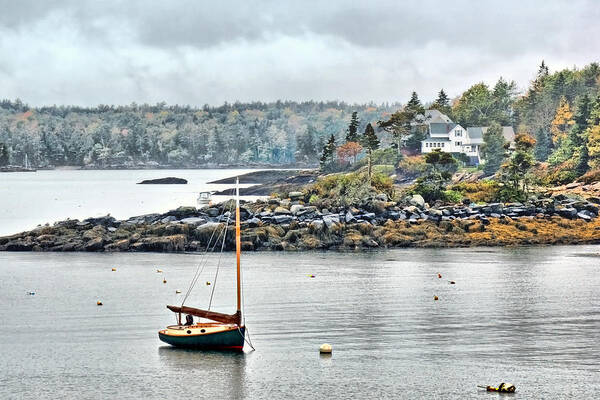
{"points": [[435, 116], [440, 128], [476, 133]]}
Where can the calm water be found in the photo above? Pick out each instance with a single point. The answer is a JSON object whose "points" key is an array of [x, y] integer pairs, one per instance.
{"points": [[31, 198], [530, 316]]}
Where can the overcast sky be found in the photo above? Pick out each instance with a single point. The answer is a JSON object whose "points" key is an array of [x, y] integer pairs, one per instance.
{"points": [[197, 52]]}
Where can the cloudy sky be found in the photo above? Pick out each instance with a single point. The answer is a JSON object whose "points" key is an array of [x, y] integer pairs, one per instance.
{"points": [[197, 52]]}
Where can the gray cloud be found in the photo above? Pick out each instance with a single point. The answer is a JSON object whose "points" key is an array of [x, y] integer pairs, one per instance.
{"points": [[199, 52]]}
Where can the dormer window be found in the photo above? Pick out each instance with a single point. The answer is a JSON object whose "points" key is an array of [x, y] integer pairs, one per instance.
{"points": [[458, 133]]}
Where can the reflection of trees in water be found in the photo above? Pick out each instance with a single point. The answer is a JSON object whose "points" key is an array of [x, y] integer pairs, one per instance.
{"points": [[209, 374]]}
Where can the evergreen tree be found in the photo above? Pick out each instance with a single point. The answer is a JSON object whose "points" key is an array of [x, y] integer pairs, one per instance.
{"points": [[493, 149], [515, 172], [352, 131], [414, 105], [327, 158], [543, 144], [4, 156], [370, 142], [369, 139], [442, 103]]}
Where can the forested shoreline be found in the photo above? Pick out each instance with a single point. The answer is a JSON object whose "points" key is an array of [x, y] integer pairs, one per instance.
{"points": [[557, 109]]}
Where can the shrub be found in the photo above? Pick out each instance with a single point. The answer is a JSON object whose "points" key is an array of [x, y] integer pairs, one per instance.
{"points": [[590, 177], [482, 191], [451, 196]]}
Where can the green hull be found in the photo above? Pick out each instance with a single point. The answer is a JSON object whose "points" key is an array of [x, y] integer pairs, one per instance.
{"points": [[228, 340]]}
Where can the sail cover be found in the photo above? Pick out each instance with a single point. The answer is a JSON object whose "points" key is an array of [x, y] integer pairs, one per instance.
{"points": [[214, 316]]}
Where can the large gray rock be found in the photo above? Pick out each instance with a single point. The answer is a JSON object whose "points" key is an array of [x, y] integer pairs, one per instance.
{"points": [[296, 209], [296, 195], [417, 200], [282, 211], [168, 219], [281, 219], [193, 221]]}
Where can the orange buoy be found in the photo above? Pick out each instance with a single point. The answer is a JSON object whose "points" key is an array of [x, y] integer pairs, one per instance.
{"points": [[114, 269], [439, 275], [435, 298], [98, 303], [164, 281]]}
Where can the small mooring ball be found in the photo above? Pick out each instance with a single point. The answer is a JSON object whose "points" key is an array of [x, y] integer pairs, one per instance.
{"points": [[435, 298], [325, 348], [98, 303]]}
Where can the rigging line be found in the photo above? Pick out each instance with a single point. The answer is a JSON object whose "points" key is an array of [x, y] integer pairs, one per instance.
{"points": [[196, 278], [196, 274], [246, 340], [203, 260], [219, 261]]}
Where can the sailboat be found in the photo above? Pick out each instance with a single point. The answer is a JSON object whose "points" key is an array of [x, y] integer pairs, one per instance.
{"points": [[226, 331]]}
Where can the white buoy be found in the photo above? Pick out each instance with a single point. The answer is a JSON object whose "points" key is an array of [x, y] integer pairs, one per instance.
{"points": [[325, 348], [178, 291]]}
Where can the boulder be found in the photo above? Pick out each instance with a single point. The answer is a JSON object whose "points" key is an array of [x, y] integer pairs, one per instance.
{"points": [[168, 219], [417, 201], [281, 219], [94, 244], [282, 211], [567, 212], [193, 221], [382, 197], [211, 212], [296, 195], [296, 209]]}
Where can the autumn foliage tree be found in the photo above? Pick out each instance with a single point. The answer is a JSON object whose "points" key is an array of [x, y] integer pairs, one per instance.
{"points": [[347, 152], [562, 122]]}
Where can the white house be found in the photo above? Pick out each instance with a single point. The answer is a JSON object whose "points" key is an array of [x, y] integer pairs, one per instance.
{"points": [[450, 137]]}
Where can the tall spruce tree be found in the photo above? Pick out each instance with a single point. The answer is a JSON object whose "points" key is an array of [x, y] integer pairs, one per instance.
{"points": [[543, 144], [327, 158], [442, 103], [352, 131], [370, 142], [493, 149], [414, 104]]}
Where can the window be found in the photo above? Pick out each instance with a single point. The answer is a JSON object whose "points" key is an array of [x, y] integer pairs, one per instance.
{"points": [[443, 144], [457, 144], [458, 133]]}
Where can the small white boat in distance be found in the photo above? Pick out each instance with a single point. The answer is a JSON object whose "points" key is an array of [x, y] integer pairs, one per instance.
{"points": [[204, 198]]}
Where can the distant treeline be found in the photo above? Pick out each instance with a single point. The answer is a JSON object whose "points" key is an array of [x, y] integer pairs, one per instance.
{"points": [[239, 133], [290, 132]]}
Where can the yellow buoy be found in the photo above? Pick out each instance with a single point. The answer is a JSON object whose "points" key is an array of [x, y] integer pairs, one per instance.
{"points": [[98, 303], [312, 276], [159, 270], [114, 269], [325, 348], [435, 298], [207, 283], [178, 291]]}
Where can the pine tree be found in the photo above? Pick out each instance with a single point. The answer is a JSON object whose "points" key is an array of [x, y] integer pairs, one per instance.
{"points": [[442, 100], [493, 149], [327, 158], [414, 105], [543, 144], [442, 103], [370, 142], [352, 131], [3, 155]]}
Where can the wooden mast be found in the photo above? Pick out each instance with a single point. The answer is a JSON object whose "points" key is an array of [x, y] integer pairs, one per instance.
{"points": [[238, 246]]}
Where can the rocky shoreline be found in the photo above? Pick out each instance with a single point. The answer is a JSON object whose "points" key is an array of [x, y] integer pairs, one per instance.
{"points": [[291, 224]]}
